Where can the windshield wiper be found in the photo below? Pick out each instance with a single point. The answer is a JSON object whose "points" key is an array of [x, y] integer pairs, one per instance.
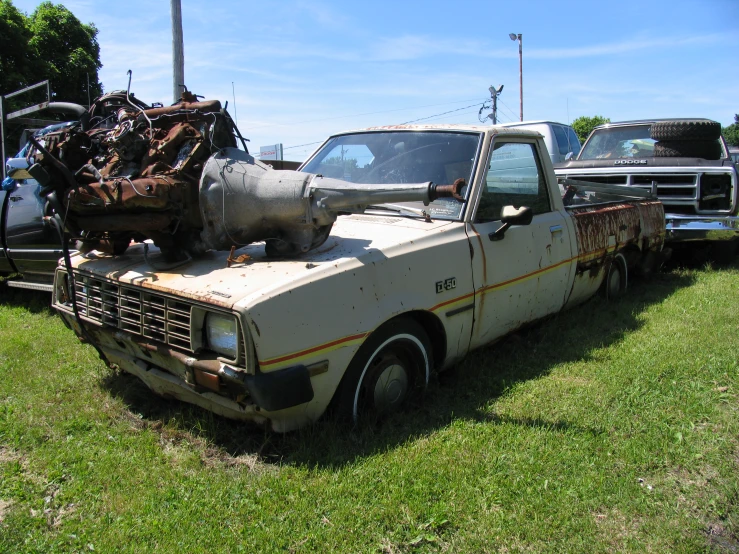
{"points": [[401, 210]]}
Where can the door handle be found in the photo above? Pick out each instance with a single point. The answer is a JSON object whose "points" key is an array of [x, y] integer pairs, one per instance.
{"points": [[555, 229], [15, 198]]}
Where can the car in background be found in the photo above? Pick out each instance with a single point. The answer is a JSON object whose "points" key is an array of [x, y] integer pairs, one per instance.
{"points": [[684, 162], [734, 154], [561, 139], [30, 242]]}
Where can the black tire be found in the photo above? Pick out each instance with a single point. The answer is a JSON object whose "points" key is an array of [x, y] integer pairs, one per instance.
{"points": [[706, 149], [393, 363], [616, 281], [686, 130]]}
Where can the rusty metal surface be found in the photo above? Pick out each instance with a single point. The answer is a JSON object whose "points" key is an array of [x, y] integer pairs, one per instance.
{"points": [[206, 106], [121, 195], [653, 226], [603, 230], [117, 177]]}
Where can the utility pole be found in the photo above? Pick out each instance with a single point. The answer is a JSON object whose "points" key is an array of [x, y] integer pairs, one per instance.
{"points": [[519, 38], [178, 50], [494, 93]]}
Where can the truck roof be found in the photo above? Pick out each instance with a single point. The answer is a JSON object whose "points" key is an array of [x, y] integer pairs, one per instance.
{"points": [[535, 122], [444, 127], [649, 121]]}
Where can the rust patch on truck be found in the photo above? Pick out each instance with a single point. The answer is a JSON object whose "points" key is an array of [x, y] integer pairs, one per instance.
{"points": [[604, 232]]}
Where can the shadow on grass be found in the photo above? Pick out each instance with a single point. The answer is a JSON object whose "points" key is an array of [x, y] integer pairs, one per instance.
{"points": [[33, 300], [461, 393]]}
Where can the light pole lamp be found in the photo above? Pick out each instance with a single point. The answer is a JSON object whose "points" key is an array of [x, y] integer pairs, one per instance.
{"points": [[519, 37]]}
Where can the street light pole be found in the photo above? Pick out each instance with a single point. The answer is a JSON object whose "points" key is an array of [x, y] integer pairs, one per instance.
{"points": [[519, 38]]}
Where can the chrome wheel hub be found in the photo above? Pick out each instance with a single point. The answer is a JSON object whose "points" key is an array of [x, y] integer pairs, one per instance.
{"points": [[391, 387]]}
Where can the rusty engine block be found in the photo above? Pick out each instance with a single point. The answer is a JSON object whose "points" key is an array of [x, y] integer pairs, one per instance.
{"points": [[130, 171]]}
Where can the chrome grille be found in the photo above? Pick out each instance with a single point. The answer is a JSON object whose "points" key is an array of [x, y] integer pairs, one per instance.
{"points": [[670, 189], [688, 193], [135, 310]]}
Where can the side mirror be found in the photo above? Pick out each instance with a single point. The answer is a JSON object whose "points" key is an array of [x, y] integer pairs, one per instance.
{"points": [[17, 168], [511, 215]]}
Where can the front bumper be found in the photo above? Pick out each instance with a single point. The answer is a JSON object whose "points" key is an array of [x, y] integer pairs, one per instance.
{"points": [[278, 400], [693, 228]]}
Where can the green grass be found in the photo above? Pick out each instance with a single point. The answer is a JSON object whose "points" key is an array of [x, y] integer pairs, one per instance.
{"points": [[610, 428]]}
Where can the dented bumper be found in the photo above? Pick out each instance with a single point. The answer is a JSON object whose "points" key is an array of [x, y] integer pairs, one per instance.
{"points": [[277, 400]]}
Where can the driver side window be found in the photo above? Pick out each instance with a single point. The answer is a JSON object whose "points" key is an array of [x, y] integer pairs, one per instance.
{"points": [[514, 178]]}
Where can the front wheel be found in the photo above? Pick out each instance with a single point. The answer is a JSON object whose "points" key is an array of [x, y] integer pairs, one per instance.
{"points": [[393, 364]]}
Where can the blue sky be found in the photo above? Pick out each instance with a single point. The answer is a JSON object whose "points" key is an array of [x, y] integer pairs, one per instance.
{"points": [[303, 70]]}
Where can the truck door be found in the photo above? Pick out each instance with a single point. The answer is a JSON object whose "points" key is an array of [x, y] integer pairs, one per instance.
{"points": [[33, 245], [525, 275]]}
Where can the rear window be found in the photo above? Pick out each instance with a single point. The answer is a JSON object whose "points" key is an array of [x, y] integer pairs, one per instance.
{"points": [[566, 140]]}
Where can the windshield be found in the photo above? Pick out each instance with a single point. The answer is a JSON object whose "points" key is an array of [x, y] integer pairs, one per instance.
{"points": [[619, 142], [401, 157]]}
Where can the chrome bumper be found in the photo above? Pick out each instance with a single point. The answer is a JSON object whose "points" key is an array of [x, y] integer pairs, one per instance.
{"points": [[689, 228]]}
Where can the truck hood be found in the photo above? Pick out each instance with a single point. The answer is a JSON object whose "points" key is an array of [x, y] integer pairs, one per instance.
{"points": [[650, 162], [354, 240]]}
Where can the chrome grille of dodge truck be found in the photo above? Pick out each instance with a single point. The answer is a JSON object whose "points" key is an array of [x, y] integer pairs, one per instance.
{"points": [[685, 193], [135, 310]]}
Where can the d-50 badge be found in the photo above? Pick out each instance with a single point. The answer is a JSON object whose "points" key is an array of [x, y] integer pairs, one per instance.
{"points": [[446, 284]]}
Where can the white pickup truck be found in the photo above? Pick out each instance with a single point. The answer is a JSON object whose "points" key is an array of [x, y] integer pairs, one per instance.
{"points": [[395, 293]]}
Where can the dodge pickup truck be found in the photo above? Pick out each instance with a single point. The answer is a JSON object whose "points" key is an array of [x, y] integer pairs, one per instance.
{"points": [[402, 281], [684, 162]]}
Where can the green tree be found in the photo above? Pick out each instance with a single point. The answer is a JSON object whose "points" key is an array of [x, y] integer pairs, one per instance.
{"points": [[67, 52], [15, 55], [731, 133], [584, 125], [50, 44]]}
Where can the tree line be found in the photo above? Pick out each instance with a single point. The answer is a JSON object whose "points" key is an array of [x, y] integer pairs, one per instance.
{"points": [[52, 44]]}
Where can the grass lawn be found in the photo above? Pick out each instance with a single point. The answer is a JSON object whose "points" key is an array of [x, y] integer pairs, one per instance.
{"points": [[610, 428]]}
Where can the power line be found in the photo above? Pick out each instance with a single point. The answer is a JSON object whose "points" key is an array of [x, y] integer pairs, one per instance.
{"points": [[355, 115], [407, 122], [439, 114], [439, 117], [299, 145], [510, 112]]}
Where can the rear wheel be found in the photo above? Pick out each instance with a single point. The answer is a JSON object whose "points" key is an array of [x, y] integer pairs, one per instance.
{"points": [[392, 365], [616, 279]]}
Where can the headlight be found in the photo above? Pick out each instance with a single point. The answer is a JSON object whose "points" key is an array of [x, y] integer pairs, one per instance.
{"points": [[222, 334]]}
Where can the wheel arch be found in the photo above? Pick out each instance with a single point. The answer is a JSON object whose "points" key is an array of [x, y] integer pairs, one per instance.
{"points": [[434, 329], [631, 253], [431, 326], [619, 259]]}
